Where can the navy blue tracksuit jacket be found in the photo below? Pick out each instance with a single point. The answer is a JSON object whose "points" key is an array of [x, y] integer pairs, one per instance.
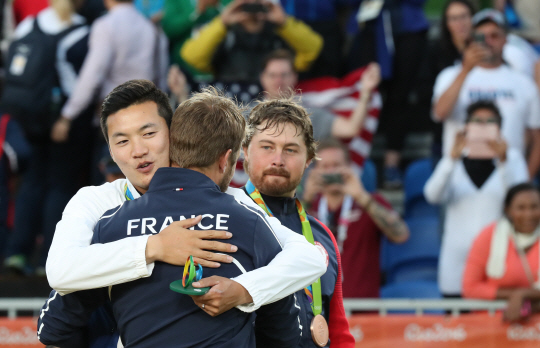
{"points": [[284, 209], [148, 314]]}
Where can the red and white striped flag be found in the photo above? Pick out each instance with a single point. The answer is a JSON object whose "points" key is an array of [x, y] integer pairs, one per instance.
{"points": [[340, 96]]}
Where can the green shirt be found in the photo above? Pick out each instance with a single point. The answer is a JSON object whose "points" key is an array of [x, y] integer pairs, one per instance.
{"points": [[179, 20]]}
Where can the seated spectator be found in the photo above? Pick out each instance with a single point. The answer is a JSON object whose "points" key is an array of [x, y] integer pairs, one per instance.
{"points": [[279, 77], [334, 194], [483, 75], [472, 181], [234, 44], [503, 261]]}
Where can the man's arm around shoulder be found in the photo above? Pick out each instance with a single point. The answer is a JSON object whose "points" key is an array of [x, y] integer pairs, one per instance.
{"points": [[73, 264]]}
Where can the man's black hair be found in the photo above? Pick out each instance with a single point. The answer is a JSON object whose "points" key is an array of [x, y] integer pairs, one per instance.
{"points": [[484, 104], [130, 93]]}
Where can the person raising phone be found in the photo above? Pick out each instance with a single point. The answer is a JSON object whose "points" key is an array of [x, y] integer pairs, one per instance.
{"points": [[336, 197], [472, 181]]}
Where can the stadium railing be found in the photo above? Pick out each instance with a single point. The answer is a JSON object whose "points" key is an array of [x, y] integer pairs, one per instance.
{"points": [[455, 306], [14, 305]]}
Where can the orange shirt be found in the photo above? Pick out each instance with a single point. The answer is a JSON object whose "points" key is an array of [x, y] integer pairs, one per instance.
{"points": [[477, 284]]}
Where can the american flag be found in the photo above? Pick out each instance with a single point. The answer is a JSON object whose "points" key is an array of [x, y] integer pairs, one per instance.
{"points": [[340, 96]]}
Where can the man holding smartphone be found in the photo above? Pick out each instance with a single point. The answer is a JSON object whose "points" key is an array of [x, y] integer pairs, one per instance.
{"points": [[336, 196], [484, 76]]}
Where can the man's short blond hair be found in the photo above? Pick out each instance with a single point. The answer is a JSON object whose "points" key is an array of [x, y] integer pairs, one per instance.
{"points": [[204, 127]]}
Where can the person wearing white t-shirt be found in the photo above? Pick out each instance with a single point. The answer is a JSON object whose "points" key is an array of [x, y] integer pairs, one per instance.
{"points": [[484, 76], [472, 188]]}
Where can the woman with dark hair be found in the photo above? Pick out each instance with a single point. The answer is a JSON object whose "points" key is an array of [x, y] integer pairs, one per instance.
{"points": [[471, 182], [504, 260], [456, 29], [445, 51]]}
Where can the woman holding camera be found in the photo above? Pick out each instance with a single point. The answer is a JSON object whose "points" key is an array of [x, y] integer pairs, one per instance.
{"points": [[471, 182], [504, 260]]}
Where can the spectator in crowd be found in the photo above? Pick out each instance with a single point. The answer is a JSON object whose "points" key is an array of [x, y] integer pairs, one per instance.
{"points": [[14, 154], [445, 51], [279, 77], [334, 194], [123, 45], [503, 261], [181, 18], [395, 37], [92, 10], [323, 18], [233, 45], [528, 12], [54, 170], [465, 180], [151, 9], [483, 75]]}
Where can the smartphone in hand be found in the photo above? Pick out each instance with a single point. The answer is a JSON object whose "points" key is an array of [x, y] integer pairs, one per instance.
{"points": [[477, 136]]}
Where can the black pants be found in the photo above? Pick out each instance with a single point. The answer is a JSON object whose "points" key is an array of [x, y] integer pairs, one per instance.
{"points": [[400, 112], [55, 172], [330, 60], [400, 108]]}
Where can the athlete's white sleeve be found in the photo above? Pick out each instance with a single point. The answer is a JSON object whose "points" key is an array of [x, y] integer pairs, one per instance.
{"points": [[299, 264], [73, 264]]}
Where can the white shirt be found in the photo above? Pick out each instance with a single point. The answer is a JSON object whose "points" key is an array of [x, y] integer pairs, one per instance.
{"points": [[73, 264], [122, 47], [515, 94], [468, 209], [520, 55]]}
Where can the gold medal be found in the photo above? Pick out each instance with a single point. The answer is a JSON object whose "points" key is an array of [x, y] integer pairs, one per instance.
{"points": [[319, 330]]}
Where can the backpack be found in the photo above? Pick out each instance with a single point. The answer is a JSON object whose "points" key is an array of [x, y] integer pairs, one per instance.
{"points": [[31, 86]]}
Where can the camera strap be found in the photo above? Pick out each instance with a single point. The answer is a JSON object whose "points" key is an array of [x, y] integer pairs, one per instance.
{"points": [[344, 217]]}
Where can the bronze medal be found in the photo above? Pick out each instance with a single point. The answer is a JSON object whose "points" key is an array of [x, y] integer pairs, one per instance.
{"points": [[319, 330]]}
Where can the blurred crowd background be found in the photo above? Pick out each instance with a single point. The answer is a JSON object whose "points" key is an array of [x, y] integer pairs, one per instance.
{"points": [[432, 106]]}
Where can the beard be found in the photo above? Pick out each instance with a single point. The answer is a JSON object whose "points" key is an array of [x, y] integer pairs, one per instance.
{"points": [[272, 186]]}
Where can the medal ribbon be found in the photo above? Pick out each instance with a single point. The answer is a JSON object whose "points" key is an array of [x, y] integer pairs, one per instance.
{"points": [[127, 193], [314, 290]]}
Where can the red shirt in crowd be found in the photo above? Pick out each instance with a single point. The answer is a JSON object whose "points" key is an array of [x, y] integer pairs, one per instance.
{"points": [[361, 250], [25, 8]]}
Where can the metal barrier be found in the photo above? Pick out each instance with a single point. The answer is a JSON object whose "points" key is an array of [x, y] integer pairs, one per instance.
{"points": [[419, 305], [14, 305]]}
